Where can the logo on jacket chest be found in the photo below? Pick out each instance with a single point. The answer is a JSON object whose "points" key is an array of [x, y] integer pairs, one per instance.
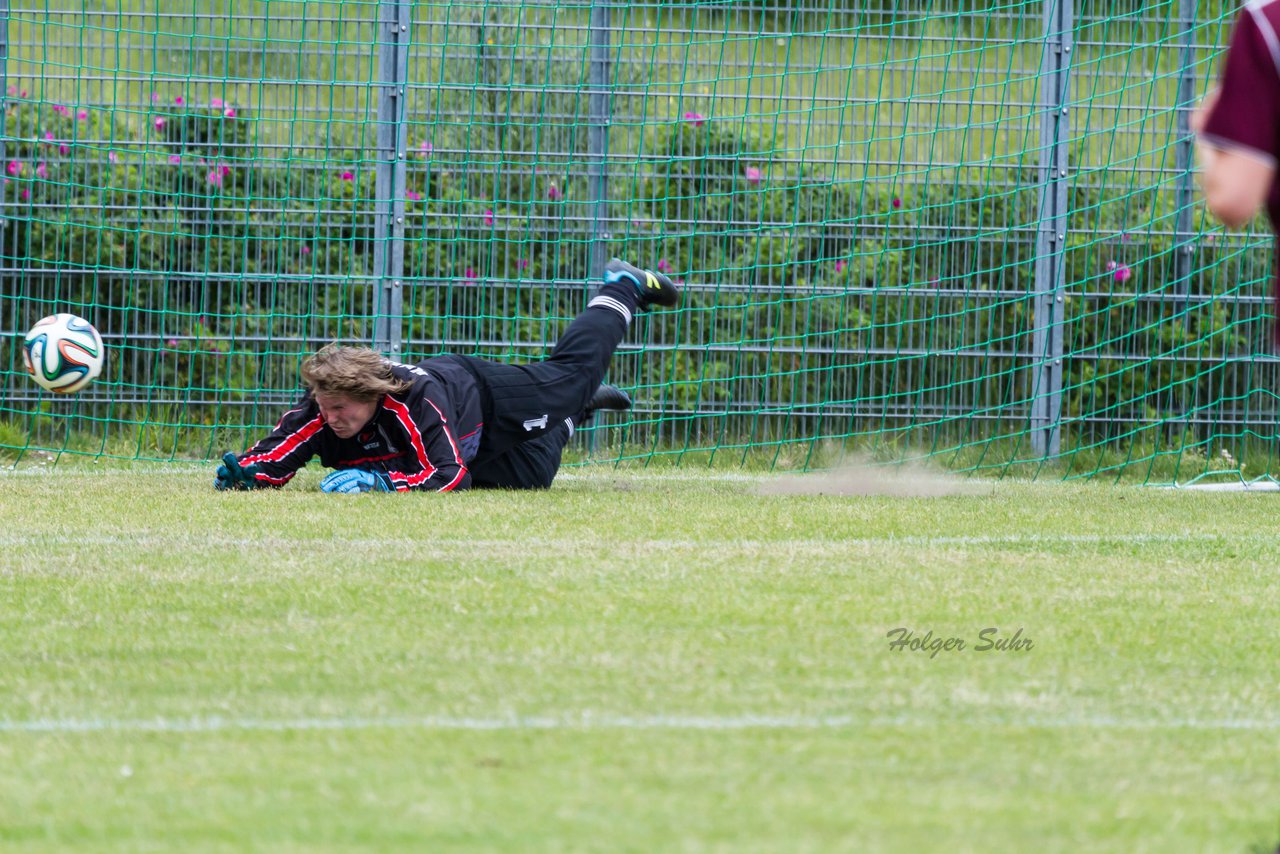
{"points": [[374, 439]]}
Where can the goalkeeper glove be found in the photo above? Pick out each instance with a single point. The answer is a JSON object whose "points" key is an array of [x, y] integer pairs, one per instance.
{"points": [[231, 475], [357, 480]]}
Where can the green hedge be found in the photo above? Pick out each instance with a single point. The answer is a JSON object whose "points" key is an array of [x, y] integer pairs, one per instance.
{"points": [[243, 262]]}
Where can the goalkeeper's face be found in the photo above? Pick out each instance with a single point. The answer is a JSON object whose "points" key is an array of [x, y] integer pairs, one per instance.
{"points": [[345, 415]]}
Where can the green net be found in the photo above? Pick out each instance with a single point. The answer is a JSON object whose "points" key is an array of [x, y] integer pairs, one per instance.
{"points": [[904, 229]]}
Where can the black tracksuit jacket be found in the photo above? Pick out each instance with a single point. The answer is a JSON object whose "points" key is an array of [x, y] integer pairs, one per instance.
{"points": [[422, 439]]}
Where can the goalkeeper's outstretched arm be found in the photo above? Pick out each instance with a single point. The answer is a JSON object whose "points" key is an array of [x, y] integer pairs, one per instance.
{"points": [[275, 459]]}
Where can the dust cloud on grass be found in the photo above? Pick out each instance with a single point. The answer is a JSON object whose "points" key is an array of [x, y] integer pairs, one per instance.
{"points": [[905, 480]]}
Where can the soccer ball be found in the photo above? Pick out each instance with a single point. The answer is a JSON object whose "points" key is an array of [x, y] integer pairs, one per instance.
{"points": [[64, 353]]}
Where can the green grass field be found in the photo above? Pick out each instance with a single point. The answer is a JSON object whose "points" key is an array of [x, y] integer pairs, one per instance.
{"points": [[632, 662]]}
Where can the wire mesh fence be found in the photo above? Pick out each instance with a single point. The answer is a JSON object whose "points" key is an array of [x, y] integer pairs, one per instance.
{"points": [[915, 228]]}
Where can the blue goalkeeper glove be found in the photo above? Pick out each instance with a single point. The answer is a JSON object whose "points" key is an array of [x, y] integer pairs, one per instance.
{"points": [[357, 480], [231, 475]]}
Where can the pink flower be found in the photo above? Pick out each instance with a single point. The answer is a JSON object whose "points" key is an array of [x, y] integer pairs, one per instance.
{"points": [[216, 102], [23, 93], [159, 123], [60, 110], [425, 147], [178, 100], [553, 192], [155, 97], [753, 175], [1123, 273], [13, 90], [414, 195], [48, 134], [935, 282], [348, 176], [306, 250], [171, 343], [1111, 265], [175, 159], [840, 265], [24, 195], [14, 168], [42, 171], [229, 112], [214, 178], [696, 118], [225, 170], [897, 202], [523, 263], [82, 115], [664, 266], [111, 155], [63, 150], [488, 217], [1209, 238], [471, 274], [1124, 238]]}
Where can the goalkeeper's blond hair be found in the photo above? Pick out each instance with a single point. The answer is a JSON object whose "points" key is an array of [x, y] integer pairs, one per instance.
{"points": [[355, 372]]}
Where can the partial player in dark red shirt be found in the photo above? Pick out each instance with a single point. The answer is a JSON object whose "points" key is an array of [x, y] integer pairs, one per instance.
{"points": [[1238, 125], [450, 422]]}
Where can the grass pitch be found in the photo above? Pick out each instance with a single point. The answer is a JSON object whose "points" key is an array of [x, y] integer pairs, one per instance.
{"points": [[633, 662]]}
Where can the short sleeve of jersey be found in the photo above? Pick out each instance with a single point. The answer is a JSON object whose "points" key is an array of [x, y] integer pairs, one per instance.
{"points": [[1246, 117]]}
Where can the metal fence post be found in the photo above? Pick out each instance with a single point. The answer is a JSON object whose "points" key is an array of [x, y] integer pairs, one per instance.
{"points": [[1051, 236], [391, 156], [600, 107], [4, 103], [1183, 239]]}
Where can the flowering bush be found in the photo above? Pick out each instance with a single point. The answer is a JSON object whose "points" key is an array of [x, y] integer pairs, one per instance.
{"points": [[175, 219]]}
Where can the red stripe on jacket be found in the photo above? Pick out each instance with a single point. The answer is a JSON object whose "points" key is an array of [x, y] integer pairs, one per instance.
{"points": [[289, 445], [403, 415], [381, 458], [275, 481], [457, 454]]}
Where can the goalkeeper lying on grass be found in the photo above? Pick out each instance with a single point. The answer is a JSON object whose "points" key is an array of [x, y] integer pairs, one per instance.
{"points": [[450, 422]]}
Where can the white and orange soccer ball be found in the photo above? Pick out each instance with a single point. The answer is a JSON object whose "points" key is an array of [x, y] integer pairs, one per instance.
{"points": [[64, 353]]}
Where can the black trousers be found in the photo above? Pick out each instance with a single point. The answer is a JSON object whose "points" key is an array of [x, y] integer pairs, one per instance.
{"points": [[526, 407], [528, 465]]}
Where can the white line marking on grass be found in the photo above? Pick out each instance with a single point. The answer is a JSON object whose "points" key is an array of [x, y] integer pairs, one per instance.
{"points": [[444, 545], [586, 722], [1049, 539], [589, 722], [587, 473], [1234, 486], [119, 469], [441, 545], [607, 471]]}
